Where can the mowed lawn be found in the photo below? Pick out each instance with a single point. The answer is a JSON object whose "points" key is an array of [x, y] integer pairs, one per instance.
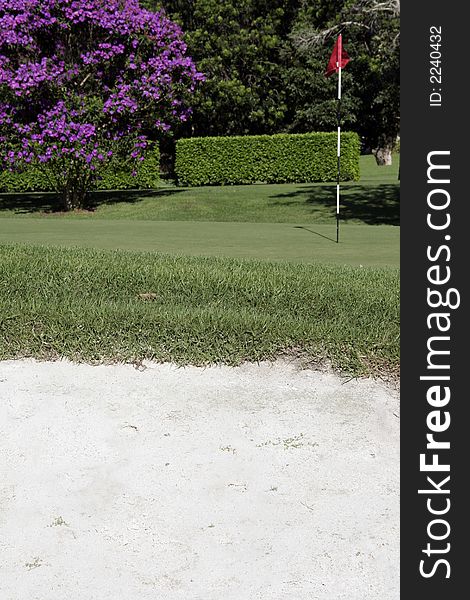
{"points": [[360, 245], [263, 222], [96, 305], [207, 275]]}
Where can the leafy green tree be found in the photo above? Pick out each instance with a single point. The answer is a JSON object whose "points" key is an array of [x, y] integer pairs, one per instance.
{"points": [[371, 30], [237, 45], [264, 61], [310, 97]]}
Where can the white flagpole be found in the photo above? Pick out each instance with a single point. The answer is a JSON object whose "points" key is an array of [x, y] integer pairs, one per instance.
{"points": [[338, 65]]}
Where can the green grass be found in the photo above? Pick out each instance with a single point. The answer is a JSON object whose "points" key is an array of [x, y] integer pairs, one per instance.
{"points": [[238, 273], [84, 305], [374, 201], [360, 244], [265, 222]]}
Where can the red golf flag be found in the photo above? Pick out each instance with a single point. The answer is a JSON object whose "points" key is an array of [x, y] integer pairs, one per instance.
{"points": [[339, 58]]}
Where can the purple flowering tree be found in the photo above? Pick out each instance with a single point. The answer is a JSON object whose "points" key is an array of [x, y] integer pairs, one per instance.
{"points": [[85, 81]]}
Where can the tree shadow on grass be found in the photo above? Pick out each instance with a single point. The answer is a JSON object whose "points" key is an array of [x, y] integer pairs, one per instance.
{"points": [[49, 202], [24, 203], [100, 198], [374, 205]]}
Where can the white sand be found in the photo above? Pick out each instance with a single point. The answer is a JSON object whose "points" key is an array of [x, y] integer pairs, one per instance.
{"points": [[259, 482]]}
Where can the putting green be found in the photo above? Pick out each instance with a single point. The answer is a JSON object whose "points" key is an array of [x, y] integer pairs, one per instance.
{"points": [[367, 245]]}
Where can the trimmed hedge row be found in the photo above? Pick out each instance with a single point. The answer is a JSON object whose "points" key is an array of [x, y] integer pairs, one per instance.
{"points": [[115, 177], [281, 158]]}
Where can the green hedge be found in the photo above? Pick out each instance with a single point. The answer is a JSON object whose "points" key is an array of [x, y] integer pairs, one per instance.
{"points": [[30, 179], [116, 177], [282, 158]]}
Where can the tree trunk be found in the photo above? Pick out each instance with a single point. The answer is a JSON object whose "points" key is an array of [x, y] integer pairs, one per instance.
{"points": [[383, 154], [73, 197]]}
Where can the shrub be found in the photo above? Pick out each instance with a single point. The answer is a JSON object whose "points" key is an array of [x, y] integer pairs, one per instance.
{"points": [[115, 177], [119, 177], [281, 158], [30, 179], [83, 82]]}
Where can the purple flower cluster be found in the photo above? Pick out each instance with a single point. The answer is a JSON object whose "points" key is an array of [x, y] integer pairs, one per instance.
{"points": [[83, 80]]}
